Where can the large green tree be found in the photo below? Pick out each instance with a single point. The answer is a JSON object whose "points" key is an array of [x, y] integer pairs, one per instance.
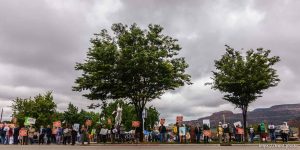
{"points": [[131, 63], [41, 107], [244, 77]]}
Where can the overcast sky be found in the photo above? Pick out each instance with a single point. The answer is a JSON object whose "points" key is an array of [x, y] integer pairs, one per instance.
{"points": [[41, 40]]}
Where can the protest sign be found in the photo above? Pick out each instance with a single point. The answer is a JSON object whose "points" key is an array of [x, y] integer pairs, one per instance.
{"points": [[76, 127], [207, 122], [240, 131], [179, 119], [23, 132], [207, 133], [57, 124], [237, 124], [29, 121], [109, 121], [135, 124]]}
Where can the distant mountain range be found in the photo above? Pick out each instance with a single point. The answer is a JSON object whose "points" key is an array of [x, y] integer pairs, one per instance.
{"points": [[276, 114]]}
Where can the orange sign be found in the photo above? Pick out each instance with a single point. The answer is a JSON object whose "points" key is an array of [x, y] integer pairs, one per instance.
{"points": [[135, 124], [207, 133], [109, 121], [240, 131], [162, 121], [179, 119], [23, 132], [57, 124], [88, 122]]}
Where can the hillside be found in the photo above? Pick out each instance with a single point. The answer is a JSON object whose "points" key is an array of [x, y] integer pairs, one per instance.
{"points": [[276, 114]]}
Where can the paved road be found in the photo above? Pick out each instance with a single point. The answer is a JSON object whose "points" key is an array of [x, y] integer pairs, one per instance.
{"points": [[139, 147]]}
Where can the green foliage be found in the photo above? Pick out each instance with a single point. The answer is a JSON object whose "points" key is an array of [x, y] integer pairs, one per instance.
{"points": [[72, 115], [133, 64], [129, 115], [41, 107], [243, 78]]}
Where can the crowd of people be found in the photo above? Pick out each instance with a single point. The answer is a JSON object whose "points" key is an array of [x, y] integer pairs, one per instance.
{"points": [[179, 133], [24, 135]]}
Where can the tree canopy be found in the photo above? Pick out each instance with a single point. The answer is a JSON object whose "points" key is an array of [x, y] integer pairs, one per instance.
{"points": [[133, 64], [41, 107], [243, 77]]}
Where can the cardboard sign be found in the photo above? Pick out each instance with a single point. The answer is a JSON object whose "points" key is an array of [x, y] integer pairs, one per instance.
{"points": [[182, 131], [207, 133], [109, 121], [23, 132], [207, 122], [88, 122], [57, 124], [240, 131], [135, 124], [179, 119], [162, 121]]}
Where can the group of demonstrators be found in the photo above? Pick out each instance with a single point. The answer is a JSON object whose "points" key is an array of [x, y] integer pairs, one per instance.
{"points": [[24, 135], [179, 133], [226, 133]]}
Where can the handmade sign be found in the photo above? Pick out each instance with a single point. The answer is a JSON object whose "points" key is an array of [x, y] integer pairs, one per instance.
{"points": [[237, 124], [57, 124], [109, 121], [179, 119], [240, 131], [23, 132], [135, 124], [207, 122], [29, 121], [76, 127], [207, 133]]}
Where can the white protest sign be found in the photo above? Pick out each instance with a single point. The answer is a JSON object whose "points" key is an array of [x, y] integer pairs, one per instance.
{"points": [[207, 122]]}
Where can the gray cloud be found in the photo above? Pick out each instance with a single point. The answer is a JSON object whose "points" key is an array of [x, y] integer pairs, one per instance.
{"points": [[40, 41]]}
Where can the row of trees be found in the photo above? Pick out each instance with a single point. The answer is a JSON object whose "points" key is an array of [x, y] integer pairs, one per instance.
{"points": [[141, 65], [44, 110]]}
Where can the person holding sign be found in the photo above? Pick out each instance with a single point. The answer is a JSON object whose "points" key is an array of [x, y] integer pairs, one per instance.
{"points": [[206, 132], [162, 131]]}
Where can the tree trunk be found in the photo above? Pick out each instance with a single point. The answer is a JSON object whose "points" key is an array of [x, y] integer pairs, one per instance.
{"points": [[140, 129], [244, 110]]}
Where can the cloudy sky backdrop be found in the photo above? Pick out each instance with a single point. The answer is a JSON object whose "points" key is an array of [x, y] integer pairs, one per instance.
{"points": [[41, 40]]}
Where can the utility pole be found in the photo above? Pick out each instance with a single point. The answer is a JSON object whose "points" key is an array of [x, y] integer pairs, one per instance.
{"points": [[1, 115]]}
